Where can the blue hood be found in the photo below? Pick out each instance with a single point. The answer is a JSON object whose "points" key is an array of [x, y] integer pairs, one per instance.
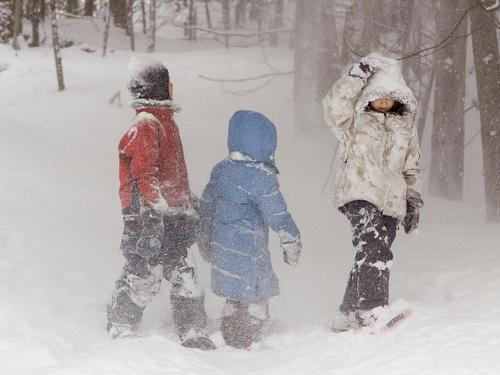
{"points": [[252, 134]]}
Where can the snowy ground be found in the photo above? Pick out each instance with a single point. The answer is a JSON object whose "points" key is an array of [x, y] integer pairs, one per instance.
{"points": [[60, 228]]}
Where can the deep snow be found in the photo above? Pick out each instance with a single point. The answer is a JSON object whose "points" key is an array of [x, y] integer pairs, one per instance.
{"points": [[60, 228]]}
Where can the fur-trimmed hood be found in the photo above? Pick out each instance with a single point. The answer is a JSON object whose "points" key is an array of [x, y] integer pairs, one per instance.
{"points": [[151, 103], [387, 83]]}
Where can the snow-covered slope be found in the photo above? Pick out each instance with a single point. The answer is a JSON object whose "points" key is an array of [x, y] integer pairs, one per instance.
{"points": [[60, 228]]}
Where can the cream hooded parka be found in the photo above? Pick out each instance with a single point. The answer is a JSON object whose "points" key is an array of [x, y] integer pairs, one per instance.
{"points": [[380, 155]]}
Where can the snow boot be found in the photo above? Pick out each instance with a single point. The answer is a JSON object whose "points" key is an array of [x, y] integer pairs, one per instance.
{"points": [[349, 321], [120, 331], [239, 328], [197, 339]]}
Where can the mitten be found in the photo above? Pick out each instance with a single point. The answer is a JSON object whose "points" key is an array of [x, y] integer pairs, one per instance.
{"points": [[412, 217], [291, 252], [369, 65]]}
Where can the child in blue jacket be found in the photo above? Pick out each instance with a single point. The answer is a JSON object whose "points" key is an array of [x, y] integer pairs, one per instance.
{"points": [[239, 204]]}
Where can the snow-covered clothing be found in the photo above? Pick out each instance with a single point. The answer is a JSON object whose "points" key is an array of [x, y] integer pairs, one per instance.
{"points": [[160, 223], [141, 278], [380, 159], [148, 79], [152, 165], [242, 323], [240, 202], [373, 234]]}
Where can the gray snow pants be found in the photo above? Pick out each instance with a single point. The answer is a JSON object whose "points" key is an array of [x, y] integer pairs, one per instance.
{"points": [[373, 234], [141, 278]]}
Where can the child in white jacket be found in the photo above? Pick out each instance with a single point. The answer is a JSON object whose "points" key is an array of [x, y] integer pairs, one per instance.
{"points": [[377, 185]]}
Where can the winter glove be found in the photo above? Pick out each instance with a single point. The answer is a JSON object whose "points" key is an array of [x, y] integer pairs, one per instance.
{"points": [[413, 205], [149, 243], [291, 252], [369, 65]]}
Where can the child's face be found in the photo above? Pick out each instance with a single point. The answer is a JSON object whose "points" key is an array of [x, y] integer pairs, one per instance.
{"points": [[382, 105]]}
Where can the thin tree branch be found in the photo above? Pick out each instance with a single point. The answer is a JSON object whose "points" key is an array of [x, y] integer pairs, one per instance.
{"points": [[246, 79]]}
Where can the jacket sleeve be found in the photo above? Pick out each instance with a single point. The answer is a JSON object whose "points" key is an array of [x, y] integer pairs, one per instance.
{"points": [[206, 211], [271, 204], [143, 151], [338, 105], [411, 169]]}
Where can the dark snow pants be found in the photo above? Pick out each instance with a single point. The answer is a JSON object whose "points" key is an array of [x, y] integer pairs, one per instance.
{"points": [[242, 323], [373, 234], [141, 278]]}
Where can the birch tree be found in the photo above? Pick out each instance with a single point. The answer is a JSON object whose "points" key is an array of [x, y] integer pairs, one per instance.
{"points": [[55, 45], [152, 26]]}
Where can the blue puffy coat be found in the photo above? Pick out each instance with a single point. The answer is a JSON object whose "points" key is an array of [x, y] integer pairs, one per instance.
{"points": [[239, 204]]}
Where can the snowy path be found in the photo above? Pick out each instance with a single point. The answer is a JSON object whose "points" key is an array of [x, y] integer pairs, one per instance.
{"points": [[60, 229]]}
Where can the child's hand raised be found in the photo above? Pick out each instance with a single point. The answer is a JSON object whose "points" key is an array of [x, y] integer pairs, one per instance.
{"points": [[369, 65]]}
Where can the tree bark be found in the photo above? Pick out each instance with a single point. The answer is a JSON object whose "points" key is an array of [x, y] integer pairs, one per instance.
{"points": [[89, 8], [143, 16], [277, 20], [447, 143], [192, 21], [35, 10], [329, 58], [307, 101], [131, 24], [207, 12], [487, 66], [120, 13], [239, 13], [72, 6], [18, 5], [225, 19], [152, 26], [107, 23], [55, 45]]}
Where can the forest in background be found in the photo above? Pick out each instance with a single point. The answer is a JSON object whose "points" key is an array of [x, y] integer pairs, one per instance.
{"points": [[430, 38]]}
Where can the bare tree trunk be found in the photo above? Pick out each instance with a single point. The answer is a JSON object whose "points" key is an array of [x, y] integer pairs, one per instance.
{"points": [[18, 5], [307, 101], [55, 45], [277, 20], [107, 23], [239, 13], [329, 58], [35, 16], [487, 65], [89, 8], [207, 12], [225, 19], [72, 6], [152, 26], [131, 24], [192, 21], [447, 143], [120, 14], [143, 16]]}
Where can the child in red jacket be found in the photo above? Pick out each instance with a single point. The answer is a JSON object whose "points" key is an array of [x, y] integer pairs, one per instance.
{"points": [[160, 220]]}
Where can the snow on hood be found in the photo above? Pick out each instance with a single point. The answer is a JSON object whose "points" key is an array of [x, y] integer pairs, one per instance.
{"points": [[252, 134], [138, 65], [387, 82]]}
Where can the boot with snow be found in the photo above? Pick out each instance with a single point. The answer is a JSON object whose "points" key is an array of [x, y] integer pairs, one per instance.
{"points": [[349, 321], [239, 325], [190, 320], [120, 331], [197, 339]]}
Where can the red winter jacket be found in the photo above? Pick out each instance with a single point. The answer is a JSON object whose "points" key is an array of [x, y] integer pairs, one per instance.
{"points": [[152, 162]]}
